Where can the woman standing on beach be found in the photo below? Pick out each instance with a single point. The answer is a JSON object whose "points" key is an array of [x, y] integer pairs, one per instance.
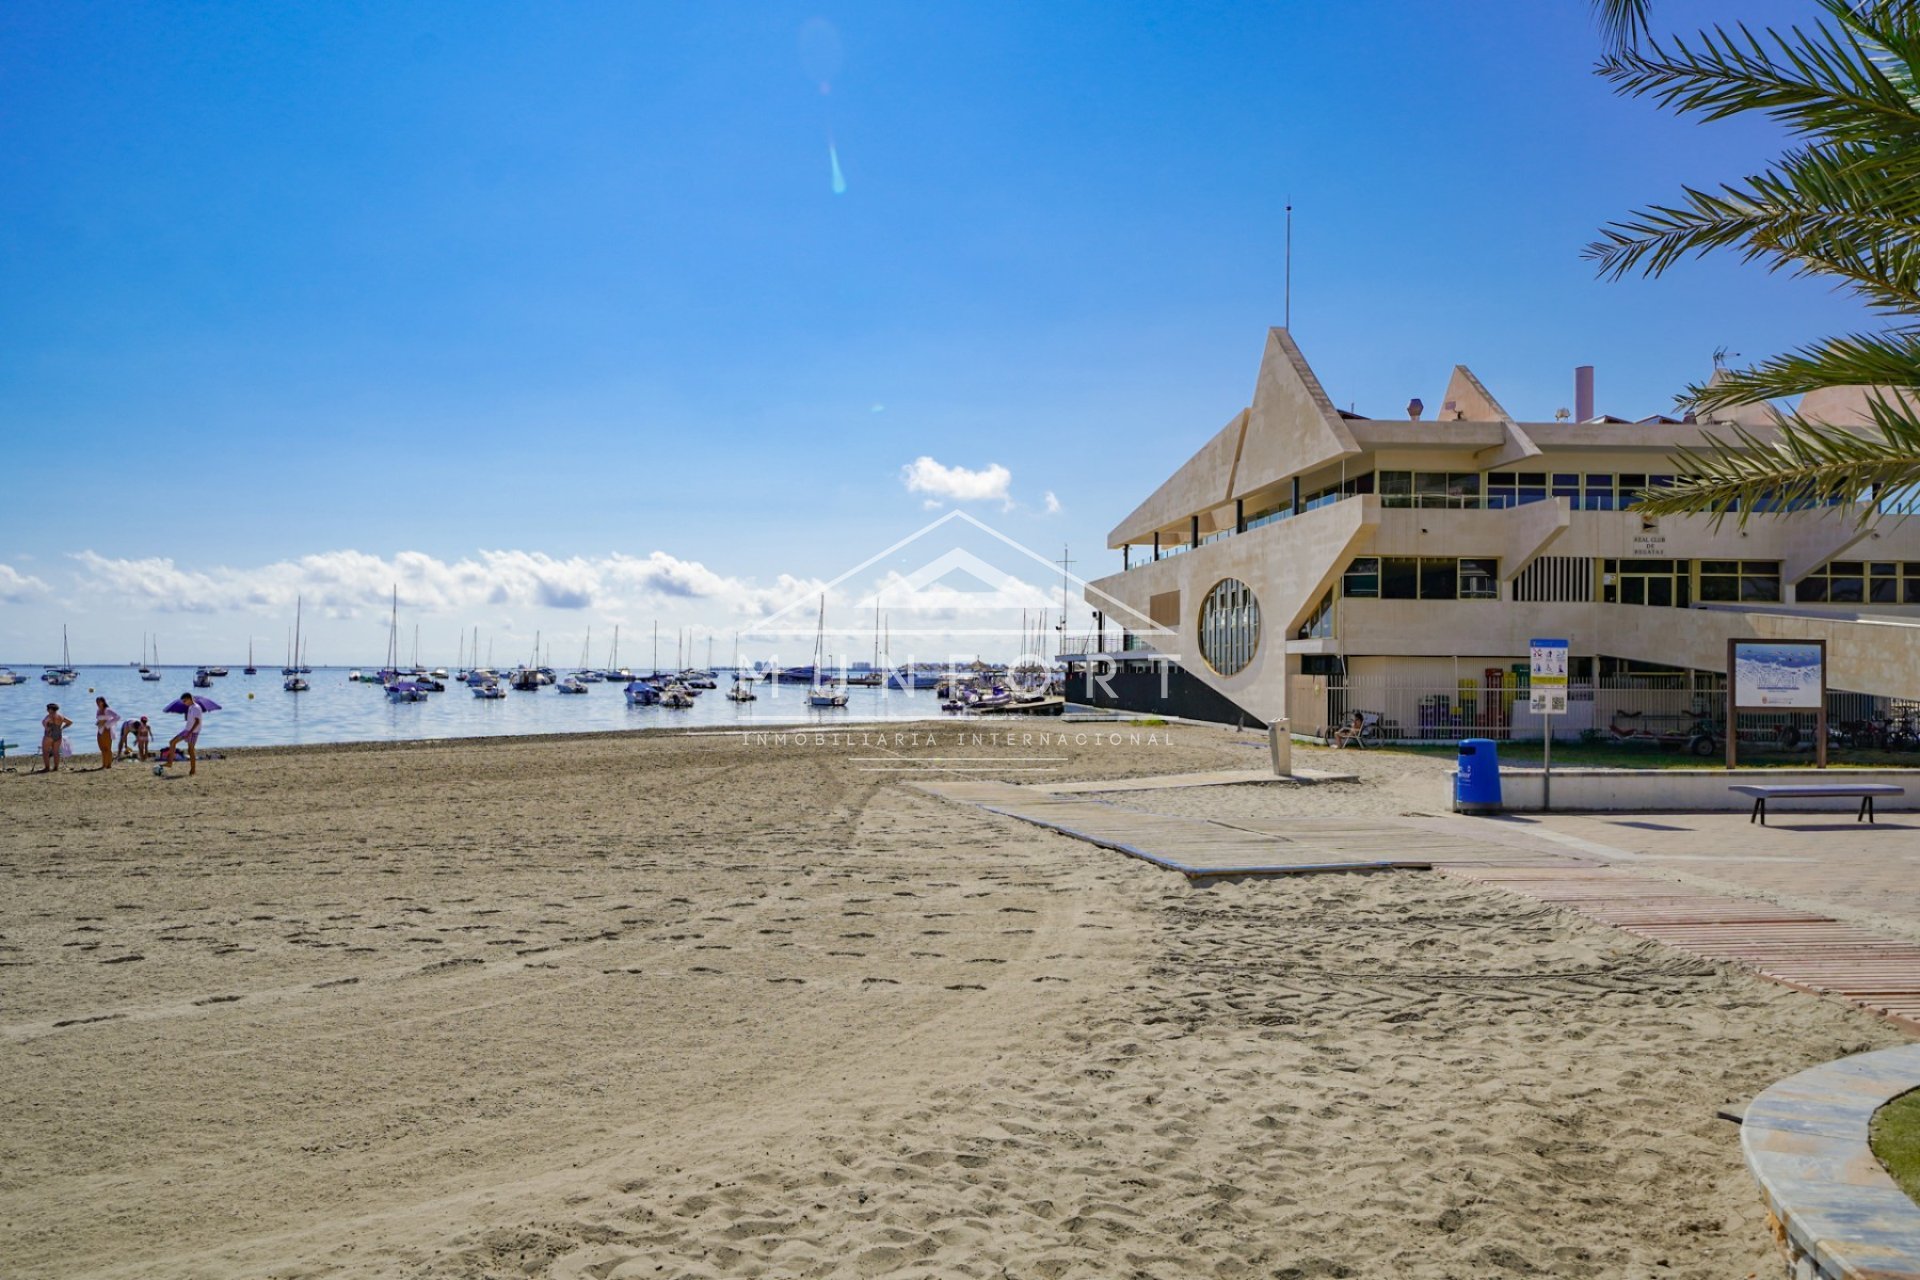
{"points": [[52, 726], [104, 718]]}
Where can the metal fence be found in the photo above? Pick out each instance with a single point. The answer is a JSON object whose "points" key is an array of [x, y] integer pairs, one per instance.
{"points": [[1678, 712]]}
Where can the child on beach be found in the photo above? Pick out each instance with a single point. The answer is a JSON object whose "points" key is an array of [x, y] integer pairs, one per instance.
{"points": [[140, 731], [52, 727], [104, 718]]}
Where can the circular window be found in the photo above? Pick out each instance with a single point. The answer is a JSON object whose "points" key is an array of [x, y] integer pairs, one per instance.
{"points": [[1229, 626]]}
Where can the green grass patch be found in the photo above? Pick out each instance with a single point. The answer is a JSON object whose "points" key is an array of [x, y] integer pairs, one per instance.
{"points": [[1895, 1138], [1147, 722]]}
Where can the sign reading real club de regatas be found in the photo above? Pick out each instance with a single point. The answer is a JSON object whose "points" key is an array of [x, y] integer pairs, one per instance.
{"points": [[1547, 689]]}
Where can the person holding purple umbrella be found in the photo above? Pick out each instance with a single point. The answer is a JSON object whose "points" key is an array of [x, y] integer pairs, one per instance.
{"points": [[189, 734]]}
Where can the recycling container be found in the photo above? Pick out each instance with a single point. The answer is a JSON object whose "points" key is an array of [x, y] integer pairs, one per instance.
{"points": [[1476, 778]]}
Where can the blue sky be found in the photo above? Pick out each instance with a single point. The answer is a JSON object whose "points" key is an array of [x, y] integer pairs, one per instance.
{"points": [[559, 301]]}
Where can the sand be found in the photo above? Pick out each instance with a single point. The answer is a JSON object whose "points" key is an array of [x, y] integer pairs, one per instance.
{"points": [[648, 1005]]}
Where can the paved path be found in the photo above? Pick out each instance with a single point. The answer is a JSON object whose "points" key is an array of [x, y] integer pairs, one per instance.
{"points": [[1734, 913], [1202, 849], [1216, 778]]}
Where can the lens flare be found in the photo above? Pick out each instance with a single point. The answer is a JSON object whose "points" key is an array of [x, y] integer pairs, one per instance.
{"points": [[839, 179]]}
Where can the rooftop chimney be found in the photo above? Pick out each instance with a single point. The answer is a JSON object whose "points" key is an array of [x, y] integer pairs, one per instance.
{"points": [[1583, 393], [1415, 408]]}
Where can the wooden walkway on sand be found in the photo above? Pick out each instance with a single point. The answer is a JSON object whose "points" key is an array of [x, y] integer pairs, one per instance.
{"points": [[1801, 949]]}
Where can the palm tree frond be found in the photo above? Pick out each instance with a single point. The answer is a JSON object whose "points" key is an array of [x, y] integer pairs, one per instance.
{"points": [[1798, 464], [1859, 360], [1850, 81], [1623, 23]]}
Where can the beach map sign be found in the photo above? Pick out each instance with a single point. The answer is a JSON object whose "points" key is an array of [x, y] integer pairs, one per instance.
{"points": [[1779, 675], [1547, 687]]}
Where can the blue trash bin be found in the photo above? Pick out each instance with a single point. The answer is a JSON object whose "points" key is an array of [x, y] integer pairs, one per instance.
{"points": [[1476, 779]]}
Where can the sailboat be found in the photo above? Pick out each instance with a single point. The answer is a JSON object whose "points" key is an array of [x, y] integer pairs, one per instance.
{"points": [[398, 689], [820, 694], [295, 682], [250, 668], [742, 690], [143, 653], [152, 673], [64, 673], [586, 674]]}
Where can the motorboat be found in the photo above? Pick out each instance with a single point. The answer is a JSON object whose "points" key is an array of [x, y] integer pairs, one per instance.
{"points": [[406, 691], [676, 697], [438, 673], [489, 689], [203, 679], [641, 694], [742, 692], [216, 672], [9, 676], [572, 684], [526, 680]]}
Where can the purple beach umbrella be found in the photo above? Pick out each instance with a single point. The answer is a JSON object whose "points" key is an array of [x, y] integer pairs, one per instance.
{"points": [[179, 708]]}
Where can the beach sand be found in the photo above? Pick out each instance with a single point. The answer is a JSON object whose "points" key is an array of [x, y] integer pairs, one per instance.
{"points": [[661, 1005]]}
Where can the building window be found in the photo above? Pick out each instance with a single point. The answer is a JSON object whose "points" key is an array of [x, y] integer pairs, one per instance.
{"points": [[1555, 580], [1861, 582], [1319, 623], [1430, 489], [1740, 580], [1479, 579], [1362, 579], [1438, 578], [1229, 626], [1665, 583]]}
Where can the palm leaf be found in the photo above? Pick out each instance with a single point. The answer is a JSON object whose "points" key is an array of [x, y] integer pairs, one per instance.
{"points": [[1622, 22], [1859, 360], [1797, 464]]}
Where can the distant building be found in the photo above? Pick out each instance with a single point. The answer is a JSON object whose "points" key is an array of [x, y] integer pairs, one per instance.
{"points": [[1304, 548]]}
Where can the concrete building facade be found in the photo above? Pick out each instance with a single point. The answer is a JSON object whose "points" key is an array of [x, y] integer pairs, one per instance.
{"points": [[1303, 543]]}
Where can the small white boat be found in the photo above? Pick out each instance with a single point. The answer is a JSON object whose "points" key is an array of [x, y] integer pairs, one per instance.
{"points": [[295, 683], [489, 690], [9, 676], [742, 692], [438, 673], [676, 697], [572, 684], [641, 694]]}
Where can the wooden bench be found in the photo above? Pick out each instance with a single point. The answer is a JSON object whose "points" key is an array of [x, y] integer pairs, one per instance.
{"points": [[1762, 793]]}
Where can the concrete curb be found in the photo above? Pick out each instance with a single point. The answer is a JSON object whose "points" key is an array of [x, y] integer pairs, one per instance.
{"points": [[1834, 1210]]}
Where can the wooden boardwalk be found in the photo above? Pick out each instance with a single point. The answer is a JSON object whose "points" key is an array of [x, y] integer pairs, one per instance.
{"points": [[1801, 949]]}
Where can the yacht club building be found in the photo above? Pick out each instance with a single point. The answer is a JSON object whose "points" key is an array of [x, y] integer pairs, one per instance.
{"points": [[1304, 554]]}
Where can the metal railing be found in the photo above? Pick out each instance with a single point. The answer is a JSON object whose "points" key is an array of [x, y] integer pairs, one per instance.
{"points": [[1671, 712]]}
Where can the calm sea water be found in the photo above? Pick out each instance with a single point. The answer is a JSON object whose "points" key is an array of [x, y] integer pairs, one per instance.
{"points": [[255, 711]]}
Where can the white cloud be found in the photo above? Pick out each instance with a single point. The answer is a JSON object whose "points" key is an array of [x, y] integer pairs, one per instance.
{"points": [[1052, 503], [924, 475], [17, 587], [346, 583]]}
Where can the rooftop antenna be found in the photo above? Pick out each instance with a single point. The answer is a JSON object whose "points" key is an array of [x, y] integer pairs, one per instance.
{"points": [[1066, 592], [1287, 310], [1721, 355]]}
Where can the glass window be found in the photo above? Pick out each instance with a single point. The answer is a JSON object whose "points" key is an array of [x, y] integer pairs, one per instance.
{"points": [[1439, 579], [1463, 487], [1567, 485], [1502, 490], [1479, 579], [1718, 586], [1599, 492], [1760, 587], [1399, 578], [1812, 590], [1229, 626], [1629, 489], [1430, 488], [1846, 589], [1362, 581]]}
